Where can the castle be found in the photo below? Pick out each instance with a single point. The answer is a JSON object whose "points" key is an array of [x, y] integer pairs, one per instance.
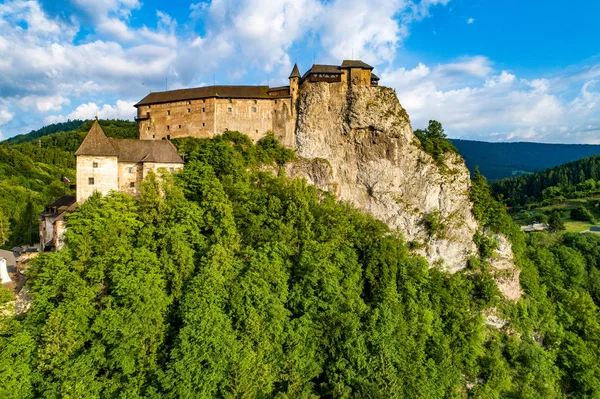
{"points": [[253, 110], [106, 164]]}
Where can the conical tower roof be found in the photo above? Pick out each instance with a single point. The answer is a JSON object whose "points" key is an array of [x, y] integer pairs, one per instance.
{"points": [[96, 143], [295, 72]]}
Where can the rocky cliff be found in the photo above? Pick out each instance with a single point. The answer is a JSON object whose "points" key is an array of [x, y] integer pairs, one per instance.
{"points": [[358, 143]]}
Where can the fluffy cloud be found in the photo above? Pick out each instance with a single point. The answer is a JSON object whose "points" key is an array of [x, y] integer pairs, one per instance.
{"points": [[474, 101], [121, 110]]}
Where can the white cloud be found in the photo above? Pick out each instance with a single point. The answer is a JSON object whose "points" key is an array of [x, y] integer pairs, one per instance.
{"points": [[470, 21], [121, 110], [473, 101]]}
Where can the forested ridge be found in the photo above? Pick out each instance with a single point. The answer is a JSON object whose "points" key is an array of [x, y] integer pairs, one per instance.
{"points": [[504, 160], [31, 170], [579, 176], [230, 280]]}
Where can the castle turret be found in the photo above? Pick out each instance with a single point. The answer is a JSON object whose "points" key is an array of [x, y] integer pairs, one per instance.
{"points": [[294, 80]]}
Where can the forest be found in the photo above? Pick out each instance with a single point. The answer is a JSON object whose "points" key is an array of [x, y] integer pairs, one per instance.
{"points": [[576, 179], [230, 280], [504, 160]]}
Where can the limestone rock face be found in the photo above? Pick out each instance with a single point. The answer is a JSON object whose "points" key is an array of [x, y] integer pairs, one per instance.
{"points": [[358, 143]]}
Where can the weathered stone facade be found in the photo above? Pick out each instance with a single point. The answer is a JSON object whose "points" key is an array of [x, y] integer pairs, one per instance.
{"points": [[253, 110], [104, 164]]}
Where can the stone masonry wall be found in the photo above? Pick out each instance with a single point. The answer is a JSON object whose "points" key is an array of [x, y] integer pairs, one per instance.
{"points": [[105, 175]]}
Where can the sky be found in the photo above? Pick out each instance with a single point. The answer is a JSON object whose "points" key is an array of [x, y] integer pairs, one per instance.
{"points": [[488, 70]]}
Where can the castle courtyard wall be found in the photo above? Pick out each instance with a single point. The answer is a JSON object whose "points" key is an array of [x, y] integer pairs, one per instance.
{"points": [[177, 119], [105, 175], [253, 117]]}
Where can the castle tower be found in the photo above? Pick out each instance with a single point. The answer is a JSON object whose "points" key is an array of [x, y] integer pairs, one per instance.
{"points": [[294, 80], [97, 164]]}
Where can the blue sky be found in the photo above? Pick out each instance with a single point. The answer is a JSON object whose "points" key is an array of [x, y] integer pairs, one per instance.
{"points": [[488, 70]]}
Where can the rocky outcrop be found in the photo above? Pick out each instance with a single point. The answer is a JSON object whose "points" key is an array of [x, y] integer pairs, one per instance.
{"points": [[358, 143]]}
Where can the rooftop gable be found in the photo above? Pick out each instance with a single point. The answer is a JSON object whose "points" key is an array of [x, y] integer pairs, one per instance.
{"points": [[134, 151], [96, 143], [355, 64]]}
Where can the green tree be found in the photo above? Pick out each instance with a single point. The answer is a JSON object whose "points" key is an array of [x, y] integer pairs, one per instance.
{"points": [[434, 141], [555, 222]]}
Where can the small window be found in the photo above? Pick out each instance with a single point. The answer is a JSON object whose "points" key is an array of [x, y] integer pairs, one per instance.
{"points": [[202, 123], [229, 109], [169, 112], [203, 109], [168, 127], [131, 170], [168, 137], [254, 109], [95, 164], [148, 127], [230, 101], [131, 184], [171, 170], [255, 102], [91, 181], [189, 110], [275, 101], [153, 136], [150, 106], [180, 126], [203, 101], [189, 102]]}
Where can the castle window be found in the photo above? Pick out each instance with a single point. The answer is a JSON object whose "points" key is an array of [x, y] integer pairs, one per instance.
{"points": [[203, 110], [171, 169], [229, 109], [230, 101], [189, 102], [91, 181], [95, 164], [168, 112], [131, 184], [254, 109], [153, 136], [180, 126], [168, 137], [149, 105], [202, 123], [168, 127], [255, 102], [275, 101], [148, 127], [189, 110], [131, 170]]}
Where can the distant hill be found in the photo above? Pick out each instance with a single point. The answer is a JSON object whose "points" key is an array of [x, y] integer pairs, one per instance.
{"points": [[577, 176], [45, 131], [500, 160]]}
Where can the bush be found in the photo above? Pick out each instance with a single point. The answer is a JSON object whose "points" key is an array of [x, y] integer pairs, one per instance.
{"points": [[583, 214]]}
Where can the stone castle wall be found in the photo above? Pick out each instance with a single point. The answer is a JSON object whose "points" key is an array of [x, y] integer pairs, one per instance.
{"points": [[205, 118], [105, 175], [177, 119]]}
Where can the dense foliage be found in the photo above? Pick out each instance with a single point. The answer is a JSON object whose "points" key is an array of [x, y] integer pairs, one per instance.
{"points": [[577, 179], [503, 160], [31, 174], [229, 280], [434, 141]]}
